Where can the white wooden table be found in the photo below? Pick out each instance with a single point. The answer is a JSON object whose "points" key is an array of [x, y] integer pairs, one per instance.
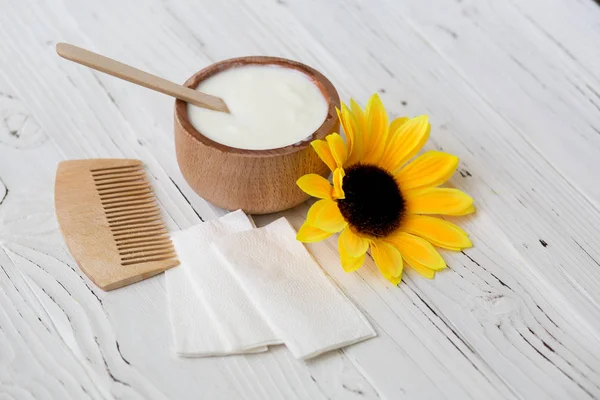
{"points": [[512, 87]]}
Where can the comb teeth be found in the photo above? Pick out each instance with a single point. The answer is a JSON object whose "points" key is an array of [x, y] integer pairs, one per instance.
{"points": [[133, 215]]}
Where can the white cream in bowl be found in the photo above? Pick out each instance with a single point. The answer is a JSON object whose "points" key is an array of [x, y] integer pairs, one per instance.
{"points": [[271, 107]]}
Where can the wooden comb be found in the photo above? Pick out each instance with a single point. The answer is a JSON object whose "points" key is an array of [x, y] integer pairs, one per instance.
{"points": [[111, 222]]}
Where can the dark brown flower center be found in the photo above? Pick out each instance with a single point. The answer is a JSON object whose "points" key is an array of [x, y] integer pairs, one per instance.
{"points": [[373, 203]]}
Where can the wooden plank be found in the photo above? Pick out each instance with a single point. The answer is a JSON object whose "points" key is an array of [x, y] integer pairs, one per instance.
{"points": [[550, 96], [572, 26], [108, 327], [517, 316]]}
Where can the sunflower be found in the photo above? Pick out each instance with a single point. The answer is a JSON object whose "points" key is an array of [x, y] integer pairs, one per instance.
{"points": [[380, 200]]}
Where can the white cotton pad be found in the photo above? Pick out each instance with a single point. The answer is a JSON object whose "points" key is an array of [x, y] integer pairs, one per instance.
{"points": [[210, 314], [291, 292]]}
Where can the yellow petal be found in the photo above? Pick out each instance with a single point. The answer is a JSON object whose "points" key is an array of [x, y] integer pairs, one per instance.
{"points": [[388, 259], [322, 149], [348, 132], [313, 211], [353, 244], [443, 201], [394, 280], [428, 170], [376, 130], [353, 135], [348, 125], [414, 248], [437, 231], [315, 185], [359, 115], [468, 210], [338, 180], [350, 263], [420, 268], [330, 218], [396, 124], [359, 118], [405, 143], [337, 148], [310, 234]]}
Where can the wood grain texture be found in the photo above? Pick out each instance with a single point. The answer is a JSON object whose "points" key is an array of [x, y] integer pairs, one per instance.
{"points": [[110, 221], [256, 181], [509, 87], [126, 72]]}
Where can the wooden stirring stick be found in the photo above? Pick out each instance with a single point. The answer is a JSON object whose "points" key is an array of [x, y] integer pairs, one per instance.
{"points": [[139, 77]]}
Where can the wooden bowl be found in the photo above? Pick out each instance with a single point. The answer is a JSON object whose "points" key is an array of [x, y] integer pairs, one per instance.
{"points": [[256, 181]]}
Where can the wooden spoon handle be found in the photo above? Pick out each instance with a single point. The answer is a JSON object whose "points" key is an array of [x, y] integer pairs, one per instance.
{"points": [[139, 77]]}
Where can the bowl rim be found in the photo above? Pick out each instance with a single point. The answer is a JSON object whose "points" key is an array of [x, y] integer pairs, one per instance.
{"points": [[326, 87]]}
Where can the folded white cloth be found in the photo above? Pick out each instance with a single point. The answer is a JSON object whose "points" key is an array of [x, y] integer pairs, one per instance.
{"points": [[193, 330], [290, 290], [210, 314]]}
